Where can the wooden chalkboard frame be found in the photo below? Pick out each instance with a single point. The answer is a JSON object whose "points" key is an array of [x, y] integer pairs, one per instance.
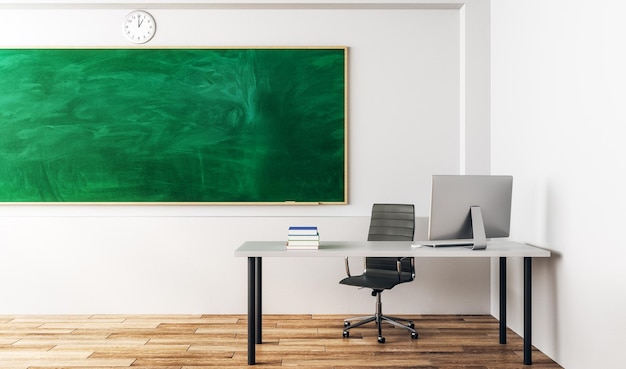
{"points": [[190, 126]]}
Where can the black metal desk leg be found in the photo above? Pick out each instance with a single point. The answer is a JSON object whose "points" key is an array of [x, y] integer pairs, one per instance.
{"points": [[259, 297], [251, 310], [528, 310], [502, 300]]}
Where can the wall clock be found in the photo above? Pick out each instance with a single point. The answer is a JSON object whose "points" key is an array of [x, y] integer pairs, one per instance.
{"points": [[139, 26]]}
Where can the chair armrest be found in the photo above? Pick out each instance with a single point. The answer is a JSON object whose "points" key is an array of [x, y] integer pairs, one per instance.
{"points": [[399, 267]]}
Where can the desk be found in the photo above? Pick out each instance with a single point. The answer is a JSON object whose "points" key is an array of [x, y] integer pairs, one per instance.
{"points": [[255, 251]]}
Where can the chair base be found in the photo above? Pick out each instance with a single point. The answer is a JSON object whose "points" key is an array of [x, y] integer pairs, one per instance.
{"points": [[379, 318]]}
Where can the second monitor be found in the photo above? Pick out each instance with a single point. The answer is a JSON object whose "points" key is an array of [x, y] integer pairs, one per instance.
{"points": [[466, 210]]}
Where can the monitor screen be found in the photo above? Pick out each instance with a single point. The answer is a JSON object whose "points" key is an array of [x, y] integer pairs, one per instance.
{"points": [[470, 208]]}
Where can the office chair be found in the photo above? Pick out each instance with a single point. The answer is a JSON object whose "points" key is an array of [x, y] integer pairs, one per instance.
{"points": [[389, 222]]}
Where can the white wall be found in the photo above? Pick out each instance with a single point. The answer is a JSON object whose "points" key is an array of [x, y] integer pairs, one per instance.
{"points": [[412, 68], [558, 93]]}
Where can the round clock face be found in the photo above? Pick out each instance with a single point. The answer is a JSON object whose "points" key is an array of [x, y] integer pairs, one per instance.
{"points": [[139, 26]]}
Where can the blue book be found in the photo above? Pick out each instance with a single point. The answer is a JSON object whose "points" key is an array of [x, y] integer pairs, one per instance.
{"points": [[300, 230]]}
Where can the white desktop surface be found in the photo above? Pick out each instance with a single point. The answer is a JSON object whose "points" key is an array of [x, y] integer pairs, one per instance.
{"points": [[499, 248]]}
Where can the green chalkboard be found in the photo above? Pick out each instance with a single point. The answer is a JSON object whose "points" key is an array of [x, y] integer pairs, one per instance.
{"points": [[193, 125]]}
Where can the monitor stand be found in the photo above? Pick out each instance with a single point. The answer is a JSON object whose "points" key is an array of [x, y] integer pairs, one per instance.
{"points": [[478, 228], [479, 240]]}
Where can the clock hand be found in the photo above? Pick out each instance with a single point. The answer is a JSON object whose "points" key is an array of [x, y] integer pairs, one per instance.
{"points": [[139, 21]]}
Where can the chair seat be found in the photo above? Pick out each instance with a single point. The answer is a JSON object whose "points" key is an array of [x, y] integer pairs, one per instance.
{"points": [[376, 281]]}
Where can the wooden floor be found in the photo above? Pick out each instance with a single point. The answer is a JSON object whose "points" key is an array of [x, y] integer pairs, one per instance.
{"points": [[210, 341]]}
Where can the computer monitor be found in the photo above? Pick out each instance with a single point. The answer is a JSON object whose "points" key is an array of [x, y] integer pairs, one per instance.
{"points": [[466, 210]]}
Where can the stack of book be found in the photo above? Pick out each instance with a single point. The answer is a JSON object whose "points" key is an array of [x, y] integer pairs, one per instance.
{"points": [[303, 238]]}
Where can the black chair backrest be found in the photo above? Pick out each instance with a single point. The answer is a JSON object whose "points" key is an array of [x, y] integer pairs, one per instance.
{"points": [[390, 222]]}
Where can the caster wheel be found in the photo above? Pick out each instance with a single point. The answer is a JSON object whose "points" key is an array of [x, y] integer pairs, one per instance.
{"points": [[381, 339], [414, 335], [346, 324], [346, 334], [411, 325]]}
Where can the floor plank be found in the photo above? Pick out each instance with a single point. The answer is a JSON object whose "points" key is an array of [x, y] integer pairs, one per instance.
{"points": [[220, 341]]}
